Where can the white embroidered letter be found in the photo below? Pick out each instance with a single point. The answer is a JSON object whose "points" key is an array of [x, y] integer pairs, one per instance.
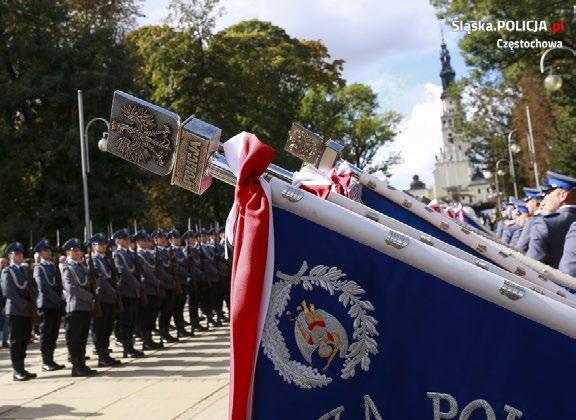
{"points": [[334, 414], [470, 408], [453, 405], [370, 408], [513, 413]]}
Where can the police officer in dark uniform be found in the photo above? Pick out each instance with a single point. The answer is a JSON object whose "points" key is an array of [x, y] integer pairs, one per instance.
{"points": [[20, 304], [49, 303], [151, 287], [505, 213], [129, 289], [222, 267], [548, 232], [225, 261], [197, 285], [211, 274], [510, 225], [164, 268], [532, 197], [521, 216], [79, 305], [107, 299], [568, 261], [178, 259]]}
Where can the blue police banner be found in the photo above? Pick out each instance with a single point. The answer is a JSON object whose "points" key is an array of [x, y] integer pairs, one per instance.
{"points": [[390, 208], [353, 333]]}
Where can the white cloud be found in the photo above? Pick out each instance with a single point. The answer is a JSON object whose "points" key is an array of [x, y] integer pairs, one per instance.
{"points": [[361, 32], [419, 140]]}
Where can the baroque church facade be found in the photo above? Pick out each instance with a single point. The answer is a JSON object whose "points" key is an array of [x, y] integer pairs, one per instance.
{"points": [[455, 179]]}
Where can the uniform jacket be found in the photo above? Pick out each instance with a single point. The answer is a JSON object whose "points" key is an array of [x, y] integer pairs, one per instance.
{"points": [[547, 236], [128, 284], [181, 264], [77, 287], [223, 263], [508, 232], [165, 266], [568, 261], [151, 283], [14, 288], [47, 279], [194, 263], [105, 292], [210, 265], [524, 239]]}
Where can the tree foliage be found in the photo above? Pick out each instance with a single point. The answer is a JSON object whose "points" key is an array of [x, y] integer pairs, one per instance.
{"points": [[48, 51], [350, 115]]}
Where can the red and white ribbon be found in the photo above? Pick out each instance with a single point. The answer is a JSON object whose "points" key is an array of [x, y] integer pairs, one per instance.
{"points": [[312, 180], [249, 225]]}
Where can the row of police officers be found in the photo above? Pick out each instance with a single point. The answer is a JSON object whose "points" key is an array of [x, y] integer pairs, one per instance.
{"points": [[543, 225], [130, 285]]}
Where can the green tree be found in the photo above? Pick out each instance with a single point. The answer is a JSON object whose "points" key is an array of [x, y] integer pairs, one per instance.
{"points": [[251, 76], [48, 50], [350, 115]]}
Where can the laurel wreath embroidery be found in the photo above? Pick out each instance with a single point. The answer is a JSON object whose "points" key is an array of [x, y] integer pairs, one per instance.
{"points": [[332, 280]]}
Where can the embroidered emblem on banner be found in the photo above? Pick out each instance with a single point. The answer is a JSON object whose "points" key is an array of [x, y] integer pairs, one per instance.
{"points": [[317, 332]]}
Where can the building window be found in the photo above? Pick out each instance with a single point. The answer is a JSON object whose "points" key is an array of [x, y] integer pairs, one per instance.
{"points": [[479, 191]]}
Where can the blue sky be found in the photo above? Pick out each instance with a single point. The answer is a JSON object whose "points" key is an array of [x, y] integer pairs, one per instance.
{"points": [[391, 46]]}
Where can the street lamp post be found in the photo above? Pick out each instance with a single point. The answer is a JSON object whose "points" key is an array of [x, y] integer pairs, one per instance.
{"points": [[84, 156], [511, 158], [553, 81], [532, 148], [496, 175]]}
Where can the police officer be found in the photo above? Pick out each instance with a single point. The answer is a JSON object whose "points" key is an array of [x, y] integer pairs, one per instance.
{"points": [[510, 225], [151, 287], [226, 261], [521, 216], [548, 232], [129, 290], [211, 274], [568, 261], [20, 304], [164, 271], [49, 303], [183, 277], [532, 197], [79, 305], [504, 216], [197, 285], [222, 267], [107, 299]]}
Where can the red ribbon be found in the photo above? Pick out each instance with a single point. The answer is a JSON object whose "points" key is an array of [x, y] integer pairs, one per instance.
{"points": [[341, 179], [248, 270]]}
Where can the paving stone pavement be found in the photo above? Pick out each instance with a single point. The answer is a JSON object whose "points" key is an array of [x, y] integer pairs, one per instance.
{"points": [[185, 380]]}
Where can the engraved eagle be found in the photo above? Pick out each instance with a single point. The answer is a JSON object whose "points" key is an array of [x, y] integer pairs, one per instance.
{"points": [[140, 139], [317, 330]]}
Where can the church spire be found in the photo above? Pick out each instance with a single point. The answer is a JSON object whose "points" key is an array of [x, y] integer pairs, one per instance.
{"points": [[447, 73]]}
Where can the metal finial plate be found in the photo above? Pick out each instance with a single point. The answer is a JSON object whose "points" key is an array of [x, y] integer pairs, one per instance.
{"points": [[304, 144], [143, 133]]}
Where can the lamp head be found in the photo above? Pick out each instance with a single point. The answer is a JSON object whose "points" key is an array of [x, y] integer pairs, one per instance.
{"points": [[553, 82], [103, 142], [515, 148]]}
